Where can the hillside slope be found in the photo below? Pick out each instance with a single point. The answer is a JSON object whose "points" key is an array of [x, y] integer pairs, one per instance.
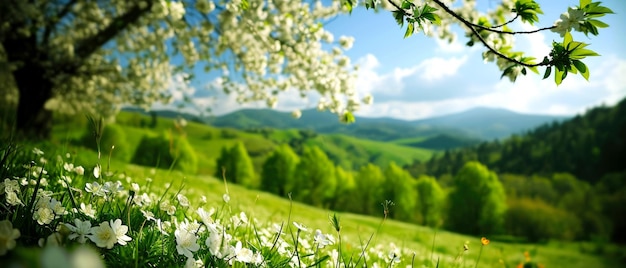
{"points": [[588, 146], [208, 141]]}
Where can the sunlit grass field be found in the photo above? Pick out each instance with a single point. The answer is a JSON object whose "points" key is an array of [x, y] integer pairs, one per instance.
{"points": [[376, 237]]}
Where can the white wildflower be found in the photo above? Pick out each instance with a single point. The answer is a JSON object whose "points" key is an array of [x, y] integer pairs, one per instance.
{"points": [[186, 243], [80, 230]]}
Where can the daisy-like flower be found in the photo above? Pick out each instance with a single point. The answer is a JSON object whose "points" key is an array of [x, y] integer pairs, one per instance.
{"points": [[106, 235], [120, 232], [68, 167], [96, 189], [393, 257], [242, 254], [216, 242], [226, 198], [484, 241], [88, 210], [43, 215], [165, 205], [64, 180], [80, 170], [193, 263], [134, 187], [148, 214], [7, 236], [205, 216], [300, 226], [10, 186], [103, 235], [321, 240], [186, 243], [182, 200], [171, 210], [13, 200], [80, 230], [161, 227], [113, 188], [192, 227], [37, 151], [142, 200], [96, 171], [57, 207]]}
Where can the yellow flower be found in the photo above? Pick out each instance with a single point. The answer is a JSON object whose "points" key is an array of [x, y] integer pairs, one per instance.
{"points": [[7, 236], [484, 241], [527, 256]]}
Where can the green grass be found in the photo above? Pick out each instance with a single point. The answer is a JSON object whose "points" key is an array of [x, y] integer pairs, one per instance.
{"points": [[270, 208], [355, 228]]}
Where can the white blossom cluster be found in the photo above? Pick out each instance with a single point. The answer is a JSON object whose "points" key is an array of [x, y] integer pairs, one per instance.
{"points": [[258, 48]]}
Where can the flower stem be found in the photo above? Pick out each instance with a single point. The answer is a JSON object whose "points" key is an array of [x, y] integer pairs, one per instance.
{"points": [[479, 253]]}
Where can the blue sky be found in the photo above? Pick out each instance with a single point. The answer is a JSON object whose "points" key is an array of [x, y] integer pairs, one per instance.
{"points": [[421, 77]]}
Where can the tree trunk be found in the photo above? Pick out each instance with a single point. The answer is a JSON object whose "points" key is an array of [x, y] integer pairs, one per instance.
{"points": [[33, 120]]}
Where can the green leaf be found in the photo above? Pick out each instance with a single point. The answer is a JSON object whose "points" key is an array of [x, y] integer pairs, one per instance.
{"points": [[428, 9], [598, 23], [584, 3], [348, 118], [399, 17], [567, 39], [409, 30], [406, 4], [524, 71], [584, 71], [245, 5], [548, 71], [347, 4], [558, 76], [598, 10], [581, 53]]}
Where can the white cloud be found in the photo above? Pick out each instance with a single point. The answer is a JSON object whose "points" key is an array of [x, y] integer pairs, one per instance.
{"points": [[450, 47], [530, 94], [179, 87], [535, 44], [438, 68], [400, 80]]}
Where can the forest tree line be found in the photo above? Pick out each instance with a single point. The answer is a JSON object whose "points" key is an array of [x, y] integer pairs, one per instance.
{"points": [[517, 187]]}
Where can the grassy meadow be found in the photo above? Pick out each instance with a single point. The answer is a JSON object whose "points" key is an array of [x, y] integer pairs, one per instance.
{"points": [[276, 232]]}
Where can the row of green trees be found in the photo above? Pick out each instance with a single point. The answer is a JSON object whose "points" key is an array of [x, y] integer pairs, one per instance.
{"points": [[475, 200], [476, 205]]}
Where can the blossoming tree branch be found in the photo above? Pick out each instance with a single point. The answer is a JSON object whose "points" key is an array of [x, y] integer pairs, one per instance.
{"points": [[83, 56], [492, 30]]}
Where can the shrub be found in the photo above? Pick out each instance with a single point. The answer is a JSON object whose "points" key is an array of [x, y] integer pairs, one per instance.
{"points": [[538, 221], [165, 152], [112, 135]]}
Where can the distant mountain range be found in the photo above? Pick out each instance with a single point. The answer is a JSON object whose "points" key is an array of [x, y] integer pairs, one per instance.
{"points": [[468, 127]]}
